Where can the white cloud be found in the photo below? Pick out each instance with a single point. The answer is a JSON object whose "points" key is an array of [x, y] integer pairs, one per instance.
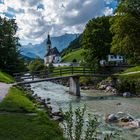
{"points": [[108, 11], [56, 16], [3, 8]]}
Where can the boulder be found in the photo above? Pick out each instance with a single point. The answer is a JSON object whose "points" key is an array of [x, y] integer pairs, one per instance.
{"points": [[110, 89], [102, 87], [135, 124], [127, 94], [58, 118], [124, 119], [112, 118], [121, 115], [118, 104]]}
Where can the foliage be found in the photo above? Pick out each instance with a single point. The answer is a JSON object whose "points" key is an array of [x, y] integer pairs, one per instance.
{"points": [[50, 67], [96, 40], [85, 80], [16, 101], [126, 85], [4, 77], [129, 83], [10, 59], [75, 54], [76, 128], [36, 65], [126, 29], [25, 127]]}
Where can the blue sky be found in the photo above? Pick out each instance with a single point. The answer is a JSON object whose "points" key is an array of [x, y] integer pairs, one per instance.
{"points": [[35, 18]]}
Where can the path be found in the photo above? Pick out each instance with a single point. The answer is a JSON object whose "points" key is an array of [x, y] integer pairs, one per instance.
{"points": [[4, 90], [128, 73]]}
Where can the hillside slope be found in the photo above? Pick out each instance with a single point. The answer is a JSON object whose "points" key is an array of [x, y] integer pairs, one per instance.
{"points": [[75, 54]]}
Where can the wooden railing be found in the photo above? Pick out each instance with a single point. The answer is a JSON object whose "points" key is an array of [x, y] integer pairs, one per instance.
{"points": [[54, 72]]}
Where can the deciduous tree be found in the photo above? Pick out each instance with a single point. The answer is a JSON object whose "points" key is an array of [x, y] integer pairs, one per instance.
{"points": [[126, 30]]}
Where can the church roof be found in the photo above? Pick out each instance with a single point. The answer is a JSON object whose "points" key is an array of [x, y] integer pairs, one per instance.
{"points": [[52, 51]]}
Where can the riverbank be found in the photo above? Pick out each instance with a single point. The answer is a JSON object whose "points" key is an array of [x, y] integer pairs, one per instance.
{"points": [[20, 118]]}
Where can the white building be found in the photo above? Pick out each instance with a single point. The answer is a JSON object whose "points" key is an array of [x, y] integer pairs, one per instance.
{"points": [[52, 54], [115, 58]]}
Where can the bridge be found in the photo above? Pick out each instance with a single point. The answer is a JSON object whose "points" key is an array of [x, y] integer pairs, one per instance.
{"points": [[50, 74]]}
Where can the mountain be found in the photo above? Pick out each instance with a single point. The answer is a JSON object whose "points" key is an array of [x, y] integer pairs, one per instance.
{"points": [[38, 50]]}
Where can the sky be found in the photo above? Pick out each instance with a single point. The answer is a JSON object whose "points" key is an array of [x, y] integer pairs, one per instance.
{"points": [[35, 18]]}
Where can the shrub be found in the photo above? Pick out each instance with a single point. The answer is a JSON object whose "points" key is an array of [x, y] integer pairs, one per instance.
{"points": [[77, 128]]}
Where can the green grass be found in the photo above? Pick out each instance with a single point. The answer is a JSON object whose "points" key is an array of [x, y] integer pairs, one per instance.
{"points": [[16, 101], [6, 78], [23, 127], [16, 125], [73, 55], [134, 76], [133, 69]]}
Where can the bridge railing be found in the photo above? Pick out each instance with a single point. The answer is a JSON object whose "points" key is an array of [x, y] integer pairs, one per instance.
{"points": [[54, 72]]}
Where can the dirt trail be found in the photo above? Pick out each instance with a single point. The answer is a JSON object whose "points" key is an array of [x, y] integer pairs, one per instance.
{"points": [[4, 90]]}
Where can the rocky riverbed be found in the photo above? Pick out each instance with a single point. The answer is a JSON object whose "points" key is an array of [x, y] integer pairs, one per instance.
{"points": [[98, 102]]}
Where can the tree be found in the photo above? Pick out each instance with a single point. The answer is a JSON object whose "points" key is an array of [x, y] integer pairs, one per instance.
{"points": [[36, 65], [126, 29], [96, 40], [10, 59]]}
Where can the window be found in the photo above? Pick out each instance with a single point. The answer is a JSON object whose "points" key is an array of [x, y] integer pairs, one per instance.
{"points": [[112, 57]]}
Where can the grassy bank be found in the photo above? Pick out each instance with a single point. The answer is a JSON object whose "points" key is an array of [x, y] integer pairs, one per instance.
{"points": [[23, 127], [4, 77], [17, 124], [133, 69], [16, 101]]}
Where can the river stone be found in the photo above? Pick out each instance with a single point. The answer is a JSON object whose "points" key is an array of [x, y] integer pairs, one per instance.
{"points": [[121, 114], [112, 118], [102, 87], [125, 119], [135, 124], [57, 118], [127, 94]]}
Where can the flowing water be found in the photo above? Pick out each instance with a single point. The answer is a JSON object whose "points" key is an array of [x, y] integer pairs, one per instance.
{"points": [[97, 102]]}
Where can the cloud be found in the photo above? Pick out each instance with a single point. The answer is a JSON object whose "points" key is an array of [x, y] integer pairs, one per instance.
{"points": [[36, 17], [108, 11]]}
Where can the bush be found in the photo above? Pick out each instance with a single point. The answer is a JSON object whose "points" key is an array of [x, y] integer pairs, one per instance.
{"points": [[126, 85], [77, 128], [129, 83], [36, 65], [50, 67]]}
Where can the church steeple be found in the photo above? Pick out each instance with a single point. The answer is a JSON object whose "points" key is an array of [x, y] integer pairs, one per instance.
{"points": [[49, 44], [48, 40]]}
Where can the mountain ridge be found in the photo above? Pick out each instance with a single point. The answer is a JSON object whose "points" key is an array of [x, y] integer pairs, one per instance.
{"points": [[39, 50]]}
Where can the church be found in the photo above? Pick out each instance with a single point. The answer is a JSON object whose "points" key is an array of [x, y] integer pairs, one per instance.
{"points": [[52, 54]]}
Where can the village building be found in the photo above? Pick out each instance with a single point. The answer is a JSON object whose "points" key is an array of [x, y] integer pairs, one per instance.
{"points": [[52, 54], [112, 59]]}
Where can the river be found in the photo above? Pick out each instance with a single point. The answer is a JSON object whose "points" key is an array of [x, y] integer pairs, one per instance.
{"points": [[97, 102]]}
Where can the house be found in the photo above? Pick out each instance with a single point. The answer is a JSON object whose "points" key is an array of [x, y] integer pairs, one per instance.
{"points": [[52, 54], [112, 59], [115, 58]]}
